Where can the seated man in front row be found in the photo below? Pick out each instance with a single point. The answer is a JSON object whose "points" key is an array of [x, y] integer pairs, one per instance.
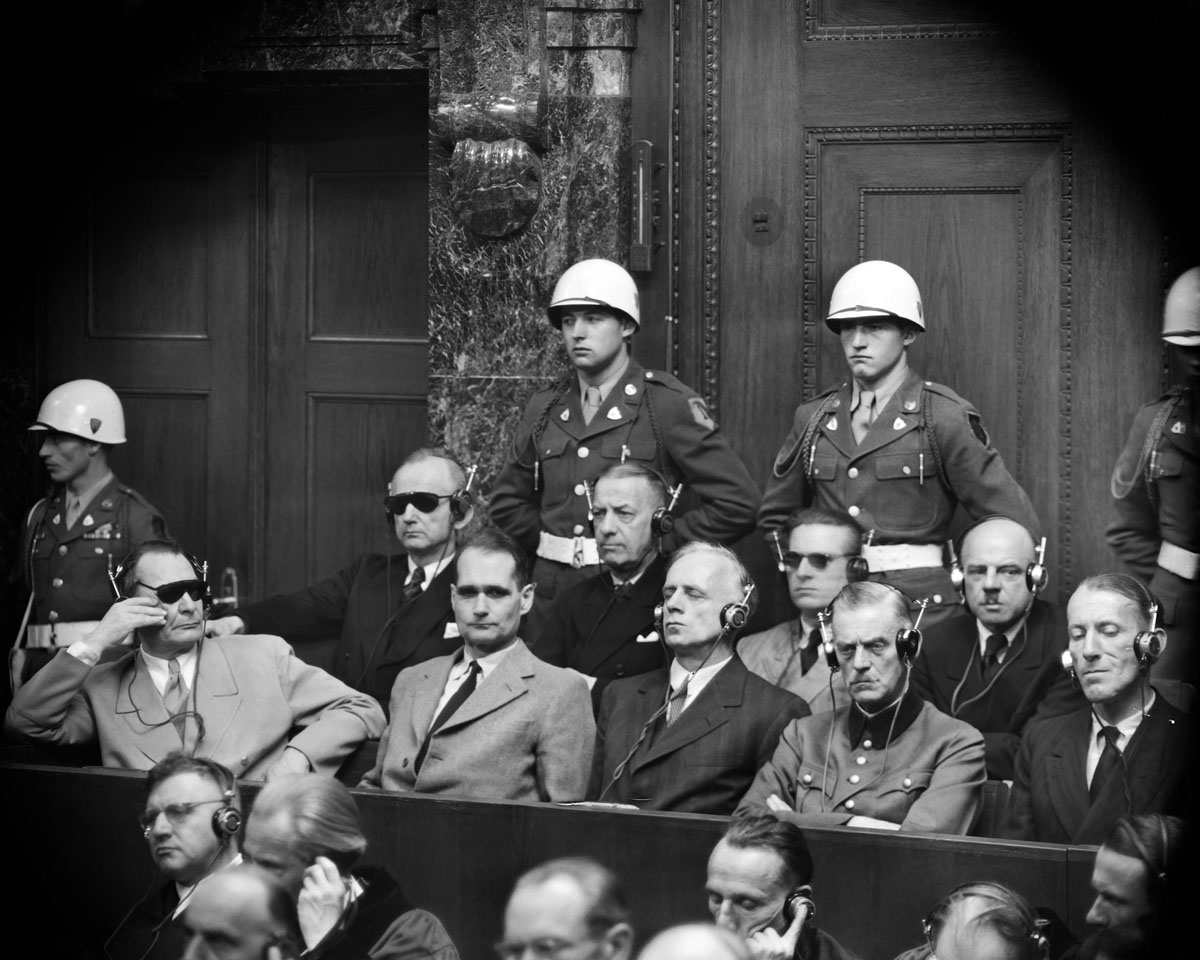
{"points": [[604, 627], [231, 699], [889, 760], [998, 663], [819, 544], [492, 721], [388, 612], [1122, 754], [689, 737]]}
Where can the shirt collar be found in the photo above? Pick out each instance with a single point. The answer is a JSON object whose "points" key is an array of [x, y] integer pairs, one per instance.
{"points": [[486, 663], [698, 679], [884, 390], [86, 497], [431, 569], [1127, 727], [876, 728], [605, 388]]}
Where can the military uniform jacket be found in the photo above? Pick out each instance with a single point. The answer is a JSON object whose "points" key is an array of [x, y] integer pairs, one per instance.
{"points": [[361, 606], [1050, 800], [948, 672], [654, 420], [604, 632], [932, 781], [705, 760], [250, 691], [67, 570], [774, 655], [1156, 497], [926, 453]]}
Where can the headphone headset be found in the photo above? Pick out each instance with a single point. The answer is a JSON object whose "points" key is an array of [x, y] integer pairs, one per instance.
{"points": [[797, 900], [1037, 576], [908, 639], [199, 568], [1158, 871], [857, 568]]}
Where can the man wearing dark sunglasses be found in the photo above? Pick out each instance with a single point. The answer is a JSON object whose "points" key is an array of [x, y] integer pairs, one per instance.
{"points": [[819, 544], [387, 612], [231, 699]]}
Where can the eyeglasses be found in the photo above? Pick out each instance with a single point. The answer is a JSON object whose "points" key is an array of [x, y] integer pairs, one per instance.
{"points": [[397, 503], [818, 561], [547, 948], [176, 812], [171, 592]]}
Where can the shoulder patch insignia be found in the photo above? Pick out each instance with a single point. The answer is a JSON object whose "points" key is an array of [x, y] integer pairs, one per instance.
{"points": [[700, 413], [977, 428]]}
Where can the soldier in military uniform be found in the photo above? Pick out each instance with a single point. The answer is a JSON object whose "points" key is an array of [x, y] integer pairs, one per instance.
{"points": [[896, 452], [87, 523], [1155, 528], [610, 410]]}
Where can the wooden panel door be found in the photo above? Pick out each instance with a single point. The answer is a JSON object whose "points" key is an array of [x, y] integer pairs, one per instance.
{"points": [[346, 328], [812, 134], [148, 289]]}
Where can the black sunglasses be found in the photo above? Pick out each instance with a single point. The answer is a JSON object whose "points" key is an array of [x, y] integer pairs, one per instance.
{"points": [[818, 561], [171, 592], [397, 503]]}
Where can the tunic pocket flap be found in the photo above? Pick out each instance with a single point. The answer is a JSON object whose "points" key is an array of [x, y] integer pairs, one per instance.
{"points": [[897, 466]]}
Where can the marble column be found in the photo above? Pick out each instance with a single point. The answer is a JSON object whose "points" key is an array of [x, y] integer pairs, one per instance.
{"points": [[528, 173]]}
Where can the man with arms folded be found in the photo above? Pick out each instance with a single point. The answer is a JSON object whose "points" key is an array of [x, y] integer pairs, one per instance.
{"points": [[760, 887], [889, 760], [1126, 751], [230, 699], [689, 737], [604, 627], [387, 612], [492, 721], [823, 551], [998, 663]]}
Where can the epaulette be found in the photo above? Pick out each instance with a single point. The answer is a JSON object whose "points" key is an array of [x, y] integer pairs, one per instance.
{"points": [[944, 391], [664, 379], [134, 495]]}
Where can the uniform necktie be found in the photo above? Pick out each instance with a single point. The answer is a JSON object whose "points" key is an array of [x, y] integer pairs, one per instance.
{"points": [[412, 589], [864, 414], [465, 689], [175, 696], [1110, 760], [591, 403], [676, 704], [74, 509], [997, 643]]}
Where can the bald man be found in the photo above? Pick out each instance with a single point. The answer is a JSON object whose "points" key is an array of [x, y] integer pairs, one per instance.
{"points": [[696, 941], [996, 664], [241, 913]]}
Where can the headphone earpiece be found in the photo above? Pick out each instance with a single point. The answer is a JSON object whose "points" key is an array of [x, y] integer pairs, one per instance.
{"points": [[908, 643], [958, 579], [826, 642], [1069, 665], [735, 615], [857, 569], [461, 500], [227, 821], [1147, 645], [662, 522], [1036, 574], [658, 621]]}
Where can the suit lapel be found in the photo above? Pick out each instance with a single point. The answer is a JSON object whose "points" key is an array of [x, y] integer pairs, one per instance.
{"points": [[217, 696], [506, 683], [1066, 773], [835, 425], [705, 715], [140, 703], [429, 689], [425, 612]]}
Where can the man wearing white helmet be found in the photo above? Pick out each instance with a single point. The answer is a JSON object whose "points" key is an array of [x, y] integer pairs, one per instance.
{"points": [[87, 523], [896, 452], [609, 409], [1155, 527]]}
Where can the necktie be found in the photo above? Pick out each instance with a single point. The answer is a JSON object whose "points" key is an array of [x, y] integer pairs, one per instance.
{"points": [[591, 403], [808, 655], [676, 703], [412, 589], [175, 696], [1110, 760], [74, 509], [466, 688], [864, 414], [997, 643]]}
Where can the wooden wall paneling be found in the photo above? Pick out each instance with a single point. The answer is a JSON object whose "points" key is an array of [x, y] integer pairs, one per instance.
{"points": [[354, 445], [346, 320]]}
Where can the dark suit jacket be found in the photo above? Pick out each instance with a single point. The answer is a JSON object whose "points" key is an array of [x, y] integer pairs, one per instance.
{"points": [[354, 605], [1050, 793], [146, 933], [708, 757], [1031, 682], [594, 630]]}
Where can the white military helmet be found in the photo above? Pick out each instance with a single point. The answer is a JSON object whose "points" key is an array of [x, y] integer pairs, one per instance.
{"points": [[1181, 312], [875, 288], [599, 283], [84, 408]]}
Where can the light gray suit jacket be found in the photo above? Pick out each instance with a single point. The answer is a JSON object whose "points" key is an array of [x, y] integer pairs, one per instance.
{"points": [[250, 692], [525, 733]]}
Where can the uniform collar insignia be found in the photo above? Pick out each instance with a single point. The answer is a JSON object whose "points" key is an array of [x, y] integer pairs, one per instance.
{"points": [[88, 521], [831, 423], [899, 423], [56, 518], [1178, 427], [614, 413], [106, 504], [565, 415], [910, 406]]}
